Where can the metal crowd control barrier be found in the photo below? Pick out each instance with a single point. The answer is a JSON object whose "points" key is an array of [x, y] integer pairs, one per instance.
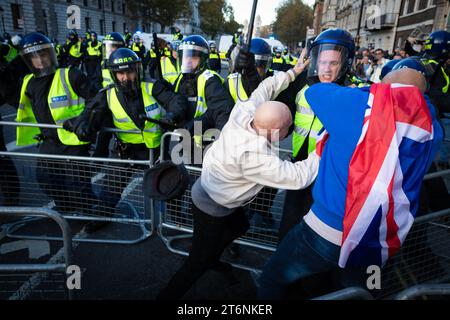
{"points": [[424, 290], [264, 214], [84, 189], [347, 294], [424, 257], [41, 268]]}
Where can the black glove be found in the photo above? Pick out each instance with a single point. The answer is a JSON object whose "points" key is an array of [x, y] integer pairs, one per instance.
{"points": [[244, 61], [69, 125], [159, 86], [83, 133]]}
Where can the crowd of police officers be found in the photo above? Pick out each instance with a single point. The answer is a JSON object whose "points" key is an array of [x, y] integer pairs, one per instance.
{"points": [[86, 85]]}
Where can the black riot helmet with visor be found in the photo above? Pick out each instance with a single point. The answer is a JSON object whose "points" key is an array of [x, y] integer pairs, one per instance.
{"points": [[331, 55], [263, 55], [193, 54], [111, 43], [38, 53], [125, 60]]}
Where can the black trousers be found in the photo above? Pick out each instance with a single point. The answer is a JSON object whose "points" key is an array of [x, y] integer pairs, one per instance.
{"points": [[68, 183], [211, 236], [9, 181], [296, 205]]}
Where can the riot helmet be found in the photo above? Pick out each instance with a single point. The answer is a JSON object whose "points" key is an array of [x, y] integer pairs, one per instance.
{"points": [[111, 43], [331, 54], [126, 69], [193, 54], [38, 53]]}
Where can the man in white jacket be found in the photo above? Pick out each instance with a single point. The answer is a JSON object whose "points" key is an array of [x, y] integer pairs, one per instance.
{"points": [[235, 168]]}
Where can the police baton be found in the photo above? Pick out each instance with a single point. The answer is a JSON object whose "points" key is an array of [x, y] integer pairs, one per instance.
{"points": [[248, 42], [164, 123], [158, 55]]}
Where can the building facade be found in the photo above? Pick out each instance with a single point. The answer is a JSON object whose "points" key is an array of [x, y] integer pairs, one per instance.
{"points": [[102, 16], [383, 24], [318, 13], [421, 17], [329, 14]]}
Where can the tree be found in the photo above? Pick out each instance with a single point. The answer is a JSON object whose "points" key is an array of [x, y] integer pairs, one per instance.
{"points": [[265, 31], [163, 12], [230, 25], [293, 16], [212, 16]]}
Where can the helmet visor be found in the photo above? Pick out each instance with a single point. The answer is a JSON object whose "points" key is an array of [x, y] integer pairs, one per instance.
{"points": [[263, 61], [127, 77], [109, 47], [329, 62], [191, 58], [40, 59]]}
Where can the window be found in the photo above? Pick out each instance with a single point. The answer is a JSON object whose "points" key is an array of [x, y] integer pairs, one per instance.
{"points": [[112, 5], [411, 6], [87, 22], [100, 4], [114, 26], [124, 27], [17, 15], [102, 26], [123, 7], [85, 3], [423, 4], [405, 7]]}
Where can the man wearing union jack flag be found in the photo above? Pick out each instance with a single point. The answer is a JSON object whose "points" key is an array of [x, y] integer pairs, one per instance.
{"points": [[378, 144]]}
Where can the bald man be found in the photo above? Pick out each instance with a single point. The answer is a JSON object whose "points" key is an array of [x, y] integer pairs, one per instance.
{"points": [[380, 142], [236, 167], [408, 77]]}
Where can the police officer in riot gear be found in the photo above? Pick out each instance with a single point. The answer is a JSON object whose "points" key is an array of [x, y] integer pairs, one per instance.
{"points": [[73, 49], [169, 67], [437, 55], [331, 56], [128, 104], [110, 43], [93, 57], [138, 47], [214, 58], [209, 101], [251, 68], [53, 95]]}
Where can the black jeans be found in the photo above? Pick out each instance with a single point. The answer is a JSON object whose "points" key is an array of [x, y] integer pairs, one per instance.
{"points": [[296, 205], [211, 236]]}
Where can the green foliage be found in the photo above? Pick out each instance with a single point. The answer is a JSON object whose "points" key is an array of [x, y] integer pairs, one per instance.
{"points": [[163, 12], [216, 16], [293, 16]]}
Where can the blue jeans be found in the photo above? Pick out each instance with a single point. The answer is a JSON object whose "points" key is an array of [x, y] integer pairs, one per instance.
{"points": [[301, 253]]}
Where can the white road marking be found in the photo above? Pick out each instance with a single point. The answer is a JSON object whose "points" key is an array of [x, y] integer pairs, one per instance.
{"points": [[36, 248]]}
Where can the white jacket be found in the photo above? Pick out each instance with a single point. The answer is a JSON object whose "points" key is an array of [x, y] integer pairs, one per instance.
{"points": [[240, 162]]}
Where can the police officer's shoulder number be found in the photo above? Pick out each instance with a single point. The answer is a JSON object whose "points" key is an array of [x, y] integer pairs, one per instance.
{"points": [[208, 74]]}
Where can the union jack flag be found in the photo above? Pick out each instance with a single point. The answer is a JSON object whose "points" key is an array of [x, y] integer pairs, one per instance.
{"points": [[385, 174]]}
